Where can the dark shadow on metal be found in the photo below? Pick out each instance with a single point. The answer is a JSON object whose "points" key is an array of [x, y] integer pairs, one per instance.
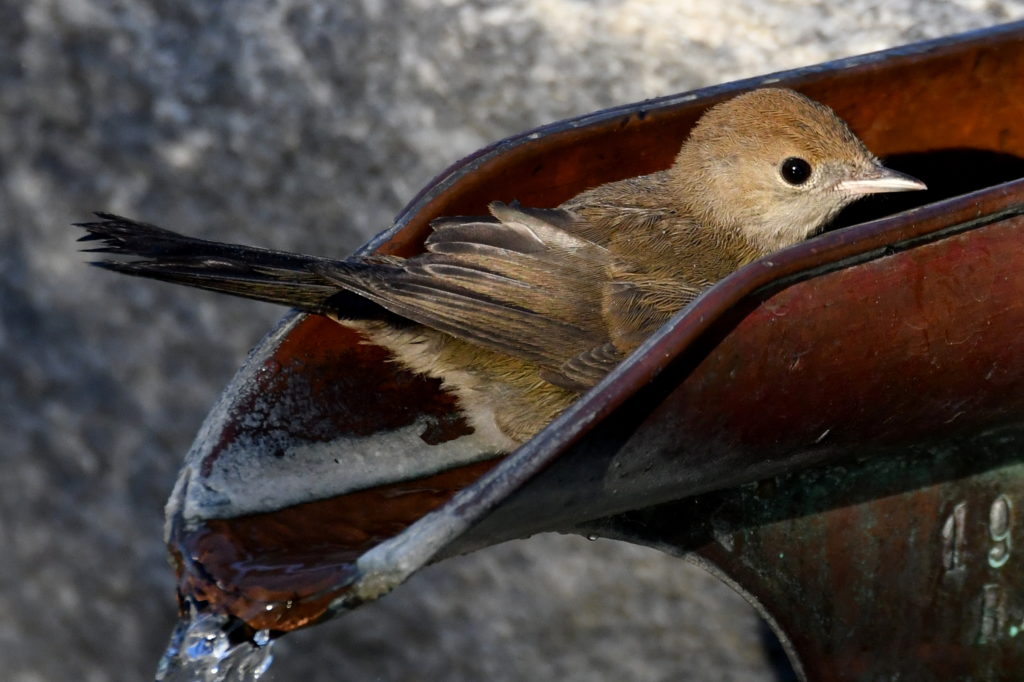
{"points": [[947, 172]]}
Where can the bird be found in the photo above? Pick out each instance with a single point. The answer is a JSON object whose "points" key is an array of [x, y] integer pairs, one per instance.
{"points": [[520, 311]]}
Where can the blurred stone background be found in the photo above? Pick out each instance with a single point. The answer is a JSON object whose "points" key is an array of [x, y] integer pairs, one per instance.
{"points": [[306, 125]]}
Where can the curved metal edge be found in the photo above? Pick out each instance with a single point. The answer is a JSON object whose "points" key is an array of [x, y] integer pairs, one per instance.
{"points": [[390, 563], [750, 598], [175, 510], [444, 180], [612, 532]]}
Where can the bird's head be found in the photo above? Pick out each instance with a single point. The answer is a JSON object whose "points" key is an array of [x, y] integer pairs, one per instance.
{"points": [[777, 166]]}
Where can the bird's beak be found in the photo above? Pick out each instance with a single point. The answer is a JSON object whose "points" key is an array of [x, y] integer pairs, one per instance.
{"points": [[879, 179]]}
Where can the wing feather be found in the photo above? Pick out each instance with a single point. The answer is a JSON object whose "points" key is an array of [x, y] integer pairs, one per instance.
{"points": [[517, 283]]}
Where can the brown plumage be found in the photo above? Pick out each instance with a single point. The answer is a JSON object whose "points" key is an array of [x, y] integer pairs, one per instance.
{"points": [[520, 311]]}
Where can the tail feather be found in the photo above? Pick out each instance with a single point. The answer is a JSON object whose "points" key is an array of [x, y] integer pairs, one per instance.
{"points": [[274, 276]]}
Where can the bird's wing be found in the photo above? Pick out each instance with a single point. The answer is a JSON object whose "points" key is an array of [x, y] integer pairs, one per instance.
{"points": [[637, 304], [521, 283], [634, 304], [585, 369]]}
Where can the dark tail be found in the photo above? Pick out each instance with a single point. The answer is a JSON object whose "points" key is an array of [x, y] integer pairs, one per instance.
{"points": [[275, 276]]}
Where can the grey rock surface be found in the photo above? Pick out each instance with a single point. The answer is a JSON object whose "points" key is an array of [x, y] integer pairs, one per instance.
{"points": [[305, 125]]}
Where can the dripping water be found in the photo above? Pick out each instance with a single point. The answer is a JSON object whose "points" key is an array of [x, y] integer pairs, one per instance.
{"points": [[207, 647]]}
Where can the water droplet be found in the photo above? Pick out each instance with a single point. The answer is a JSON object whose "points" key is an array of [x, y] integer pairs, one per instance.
{"points": [[592, 538], [200, 650]]}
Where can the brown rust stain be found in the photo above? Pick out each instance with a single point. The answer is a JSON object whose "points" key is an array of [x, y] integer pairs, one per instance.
{"points": [[280, 570], [329, 383]]}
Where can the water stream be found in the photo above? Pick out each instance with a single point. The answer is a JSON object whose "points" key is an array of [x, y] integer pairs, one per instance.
{"points": [[205, 647]]}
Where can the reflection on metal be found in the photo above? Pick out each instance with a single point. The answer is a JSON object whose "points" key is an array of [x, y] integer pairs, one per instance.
{"points": [[836, 431]]}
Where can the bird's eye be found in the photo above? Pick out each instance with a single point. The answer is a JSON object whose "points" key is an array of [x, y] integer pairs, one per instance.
{"points": [[795, 170]]}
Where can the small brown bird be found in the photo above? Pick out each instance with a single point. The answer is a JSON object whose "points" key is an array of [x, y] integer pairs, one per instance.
{"points": [[520, 311]]}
